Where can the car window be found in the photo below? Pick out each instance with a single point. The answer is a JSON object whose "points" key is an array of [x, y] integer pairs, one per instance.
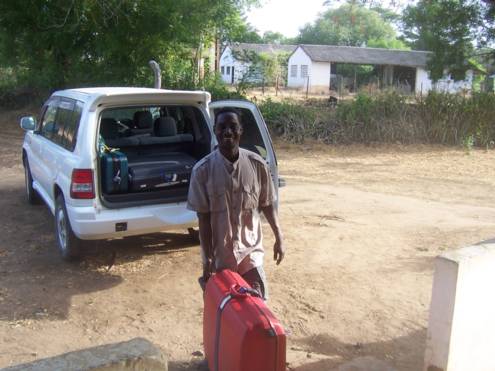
{"points": [[48, 122], [64, 114], [71, 126]]}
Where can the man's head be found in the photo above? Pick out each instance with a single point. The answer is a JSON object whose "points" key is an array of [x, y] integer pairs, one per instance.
{"points": [[228, 128]]}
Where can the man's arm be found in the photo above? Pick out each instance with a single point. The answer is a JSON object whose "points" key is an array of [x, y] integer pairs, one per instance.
{"points": [[205, 237], [272, 218]]}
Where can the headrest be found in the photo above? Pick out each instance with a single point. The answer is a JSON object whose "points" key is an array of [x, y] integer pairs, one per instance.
{"points": [[143, 119], [109, 129], [165, 127]]}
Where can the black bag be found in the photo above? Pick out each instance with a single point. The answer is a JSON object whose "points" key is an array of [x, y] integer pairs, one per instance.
{"points": [[153, 173]]}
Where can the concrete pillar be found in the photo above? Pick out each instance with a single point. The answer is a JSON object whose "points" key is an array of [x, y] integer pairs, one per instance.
{"points": [[461, 329]]}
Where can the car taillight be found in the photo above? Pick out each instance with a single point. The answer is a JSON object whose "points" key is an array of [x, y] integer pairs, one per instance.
{"points": [[82, 185]]}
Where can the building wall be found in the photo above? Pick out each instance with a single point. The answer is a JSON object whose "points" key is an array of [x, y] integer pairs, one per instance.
{"points": [[423, 82], [298, 58], [448, 85], [320, 77], [228, 64], [445, 85]]}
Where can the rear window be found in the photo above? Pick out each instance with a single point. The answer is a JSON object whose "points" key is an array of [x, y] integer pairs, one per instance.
{"points": [[138, 121]]}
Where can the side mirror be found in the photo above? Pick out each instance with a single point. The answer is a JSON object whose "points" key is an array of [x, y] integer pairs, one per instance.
{"points": [[28, 123]]}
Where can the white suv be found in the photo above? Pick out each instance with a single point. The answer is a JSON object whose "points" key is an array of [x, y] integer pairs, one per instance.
{"points": [[113, 162]]}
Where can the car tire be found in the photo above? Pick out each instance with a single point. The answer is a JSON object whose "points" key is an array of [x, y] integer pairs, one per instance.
{"points": [[68, 244], [31, 195]]}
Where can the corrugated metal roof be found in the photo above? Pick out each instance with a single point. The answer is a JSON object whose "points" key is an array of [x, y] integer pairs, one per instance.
{"points": [[263, 48], [373, 56]]}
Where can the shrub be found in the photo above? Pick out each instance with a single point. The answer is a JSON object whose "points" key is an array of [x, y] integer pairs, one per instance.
{"points": [[388, 118]]}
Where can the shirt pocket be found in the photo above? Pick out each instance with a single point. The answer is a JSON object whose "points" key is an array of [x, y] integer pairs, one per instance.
{"points": [[250, 198], [217, 198]]}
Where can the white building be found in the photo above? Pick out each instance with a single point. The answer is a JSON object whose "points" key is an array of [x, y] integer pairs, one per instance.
{"points": [[312, 67], [234, 61]]}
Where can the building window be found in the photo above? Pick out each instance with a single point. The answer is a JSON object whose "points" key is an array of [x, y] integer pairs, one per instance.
{"points": [[304, 71], [228, 70], [293, 70], [223, 70]]}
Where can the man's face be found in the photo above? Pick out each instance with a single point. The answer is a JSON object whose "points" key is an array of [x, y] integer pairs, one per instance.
{"points": [[228, 130]]}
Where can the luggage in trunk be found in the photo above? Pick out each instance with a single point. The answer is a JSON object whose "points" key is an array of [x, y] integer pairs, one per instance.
{"points": [[114, 170], [240, 333], [151, 173]]}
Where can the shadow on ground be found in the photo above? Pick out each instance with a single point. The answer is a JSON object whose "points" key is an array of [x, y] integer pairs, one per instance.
{"points": [[324, 352], [37, 284]]}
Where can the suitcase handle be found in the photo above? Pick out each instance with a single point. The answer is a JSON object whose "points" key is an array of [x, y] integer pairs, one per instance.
{"points": [[238, 291]]}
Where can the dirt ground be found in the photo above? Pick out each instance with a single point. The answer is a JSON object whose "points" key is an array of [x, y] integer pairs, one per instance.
{"points": [[362, 227]]}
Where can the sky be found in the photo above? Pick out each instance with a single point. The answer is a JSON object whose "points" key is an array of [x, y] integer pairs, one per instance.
{"points": [[284, 16], [288, 16]]}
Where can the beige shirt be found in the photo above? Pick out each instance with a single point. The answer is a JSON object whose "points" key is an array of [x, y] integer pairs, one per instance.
{"points": [[233, 193]]}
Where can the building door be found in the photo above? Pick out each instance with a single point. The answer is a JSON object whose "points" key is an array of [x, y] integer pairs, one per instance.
{"points": [[232, 79]]}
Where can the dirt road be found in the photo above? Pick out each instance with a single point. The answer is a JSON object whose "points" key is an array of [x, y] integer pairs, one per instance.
{"points": [[362, 226]]}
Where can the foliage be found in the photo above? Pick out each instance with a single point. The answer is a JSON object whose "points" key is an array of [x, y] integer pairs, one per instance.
{"points": [[270, 37], [351, 24], [55, 44], [449, 28], [264, 68], [388, 118]]}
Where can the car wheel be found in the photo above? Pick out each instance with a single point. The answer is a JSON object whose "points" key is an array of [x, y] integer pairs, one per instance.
{"points": [[68, 244], [32, 196]]}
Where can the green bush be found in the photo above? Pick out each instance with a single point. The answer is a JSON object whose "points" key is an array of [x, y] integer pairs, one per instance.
{"points": [[388, 118]]}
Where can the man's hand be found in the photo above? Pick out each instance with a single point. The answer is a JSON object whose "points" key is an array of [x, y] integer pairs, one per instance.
{"points": [[278, 250], [208, 269]]}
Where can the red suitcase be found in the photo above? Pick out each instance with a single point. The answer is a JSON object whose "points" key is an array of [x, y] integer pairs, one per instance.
{"points": [[239, 332]]}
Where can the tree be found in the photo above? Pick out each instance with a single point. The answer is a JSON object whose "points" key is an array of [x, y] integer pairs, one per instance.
{"points": [[448, 28], [351, 24], [270, 37], [57, 43]]}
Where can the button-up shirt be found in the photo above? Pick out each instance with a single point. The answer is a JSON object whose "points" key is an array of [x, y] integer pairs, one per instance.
{"points": [[233, 194]]}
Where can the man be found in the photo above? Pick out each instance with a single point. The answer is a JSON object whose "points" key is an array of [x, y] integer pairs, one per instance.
{"points": [[228, 189]]}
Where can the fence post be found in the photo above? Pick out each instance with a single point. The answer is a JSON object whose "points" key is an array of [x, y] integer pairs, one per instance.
{"points": [[307, 86]]}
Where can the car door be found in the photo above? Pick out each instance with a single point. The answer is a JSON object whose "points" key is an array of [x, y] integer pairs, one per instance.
{"points": [[55, 154], [45, 136], [255, 137]]}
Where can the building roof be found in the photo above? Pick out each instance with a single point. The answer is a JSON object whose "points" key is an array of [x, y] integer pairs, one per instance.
{"points": [[263, 48], [359, 55]]}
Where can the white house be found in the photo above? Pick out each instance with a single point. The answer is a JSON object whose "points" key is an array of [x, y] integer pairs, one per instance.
{"points": [[312, 67], [233, 64]]}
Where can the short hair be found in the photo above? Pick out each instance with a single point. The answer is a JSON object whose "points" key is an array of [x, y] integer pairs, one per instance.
{"points": [[231, 110]]}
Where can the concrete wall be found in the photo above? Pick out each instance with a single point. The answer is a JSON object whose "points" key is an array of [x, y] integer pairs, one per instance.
{"points": [[423, 82], [320, 77], [446, 84], [461, 329], [298, 59]]}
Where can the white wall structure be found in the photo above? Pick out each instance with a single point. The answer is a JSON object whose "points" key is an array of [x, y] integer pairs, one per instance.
{"points": [[448, 85], [299, 59], [320, 77], [231, 69], [316, 59], [423, 82], [461, 330]]}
